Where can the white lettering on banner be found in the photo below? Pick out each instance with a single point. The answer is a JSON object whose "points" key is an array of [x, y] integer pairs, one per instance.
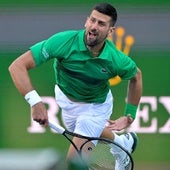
{"points": [[166, 103], [144, 115], [152, 103], [144, 122], [53, 110]]}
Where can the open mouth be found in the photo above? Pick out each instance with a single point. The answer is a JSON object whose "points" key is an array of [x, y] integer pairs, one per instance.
{"points": [[92, 35]]}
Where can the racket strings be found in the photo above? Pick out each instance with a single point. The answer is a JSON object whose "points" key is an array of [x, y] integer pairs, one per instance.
{"points": [[101, 157]]}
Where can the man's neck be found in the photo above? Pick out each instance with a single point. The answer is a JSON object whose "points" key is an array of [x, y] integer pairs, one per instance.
{"points": [[96, 50]]}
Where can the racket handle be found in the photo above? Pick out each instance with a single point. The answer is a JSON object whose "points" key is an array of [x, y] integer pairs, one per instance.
{"points": [[56, 127]]}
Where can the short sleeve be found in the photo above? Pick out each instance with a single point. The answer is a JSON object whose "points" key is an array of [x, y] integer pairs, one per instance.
{"points": [[54, 47], [128, 67], [38, 56]]}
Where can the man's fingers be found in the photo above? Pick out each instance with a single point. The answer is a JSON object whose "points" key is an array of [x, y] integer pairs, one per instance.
{"points": [[41, 122], [130, 119], [111, 122]]}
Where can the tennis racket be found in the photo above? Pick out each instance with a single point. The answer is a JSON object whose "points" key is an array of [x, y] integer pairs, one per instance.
{"points": [[101, 156]]}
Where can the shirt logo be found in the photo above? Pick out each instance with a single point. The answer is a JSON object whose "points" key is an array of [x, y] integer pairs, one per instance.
{"points": [[103, 70], [45, 53]]}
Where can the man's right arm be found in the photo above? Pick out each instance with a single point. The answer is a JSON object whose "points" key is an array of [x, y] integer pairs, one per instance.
{"points": [[19, 74]]}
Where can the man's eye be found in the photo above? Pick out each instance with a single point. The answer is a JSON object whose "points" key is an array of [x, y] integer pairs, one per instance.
{"points": [[102, 24]]}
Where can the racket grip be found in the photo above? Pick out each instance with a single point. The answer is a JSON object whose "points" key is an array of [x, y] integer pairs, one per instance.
{"points": [[56, 127]]}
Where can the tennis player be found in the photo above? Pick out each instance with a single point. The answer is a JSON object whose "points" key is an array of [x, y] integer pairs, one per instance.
{"points": [[84, 61]]}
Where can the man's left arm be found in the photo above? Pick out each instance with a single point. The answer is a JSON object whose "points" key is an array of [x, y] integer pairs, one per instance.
{"points": [[134, 93]]}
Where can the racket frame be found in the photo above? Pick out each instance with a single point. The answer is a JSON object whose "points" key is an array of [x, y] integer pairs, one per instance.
{"points": [[65, 132]]}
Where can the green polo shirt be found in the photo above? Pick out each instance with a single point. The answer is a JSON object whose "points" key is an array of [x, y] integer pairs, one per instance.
{"points": [[79, 75]]}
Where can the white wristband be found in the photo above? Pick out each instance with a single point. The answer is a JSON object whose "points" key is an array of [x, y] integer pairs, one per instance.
{"points": [[32, 98]]}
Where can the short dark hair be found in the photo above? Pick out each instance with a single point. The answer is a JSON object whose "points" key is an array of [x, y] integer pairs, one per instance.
{"points": [[107, 9]]}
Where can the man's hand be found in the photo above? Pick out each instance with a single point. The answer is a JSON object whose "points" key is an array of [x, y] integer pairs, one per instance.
{"points": [[39, 114], [120, 123]]}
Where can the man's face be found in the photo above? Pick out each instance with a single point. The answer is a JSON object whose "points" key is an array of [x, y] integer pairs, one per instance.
{"points": [[97, 28]]}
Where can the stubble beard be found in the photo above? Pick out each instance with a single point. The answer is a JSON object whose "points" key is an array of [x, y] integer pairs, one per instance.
{"points": [[93, 42]]}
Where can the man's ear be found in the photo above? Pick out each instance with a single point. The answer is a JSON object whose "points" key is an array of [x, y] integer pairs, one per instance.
{"points": [[111, 31]]}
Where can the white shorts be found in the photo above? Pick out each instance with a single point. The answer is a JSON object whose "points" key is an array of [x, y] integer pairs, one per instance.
{"points": [[87, 119]]}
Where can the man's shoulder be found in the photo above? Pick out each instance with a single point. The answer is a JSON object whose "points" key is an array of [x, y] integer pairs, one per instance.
{"points": [[110, 44], [111, 47]]}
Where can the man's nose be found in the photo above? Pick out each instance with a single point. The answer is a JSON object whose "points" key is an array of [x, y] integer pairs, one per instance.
{"points": [[94, 26]]}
